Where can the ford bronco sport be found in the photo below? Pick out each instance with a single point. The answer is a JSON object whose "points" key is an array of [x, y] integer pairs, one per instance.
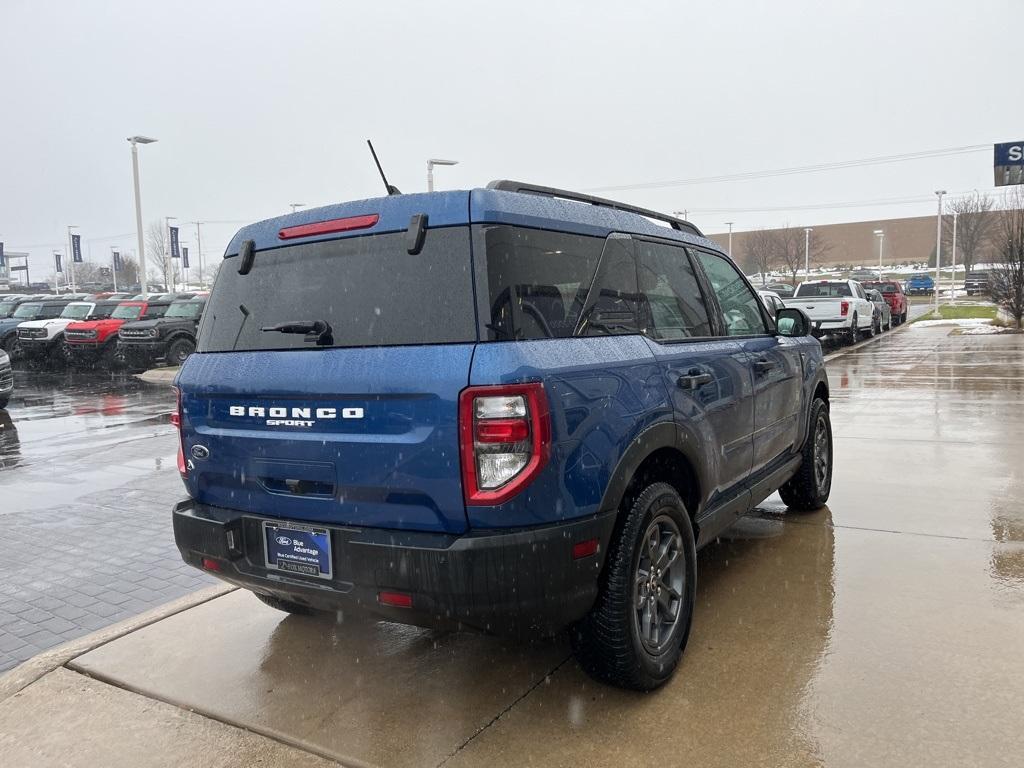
{"points": [[515, 409]]}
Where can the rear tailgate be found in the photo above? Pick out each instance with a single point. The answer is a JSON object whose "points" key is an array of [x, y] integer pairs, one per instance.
{"points": [[820, 308], [342, 436]]}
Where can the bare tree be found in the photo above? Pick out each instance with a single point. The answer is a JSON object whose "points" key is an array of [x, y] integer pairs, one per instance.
{"points": [[1008, 279], [759, 252], [974, 227], [789, 249]]}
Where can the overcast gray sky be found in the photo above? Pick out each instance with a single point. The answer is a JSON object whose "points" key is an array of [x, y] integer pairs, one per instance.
{"points": [[257, 105]]}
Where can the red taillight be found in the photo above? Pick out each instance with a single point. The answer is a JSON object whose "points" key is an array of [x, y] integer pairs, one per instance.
{"points": [[210, 564], [327, 227], [583, 549], [505, 436], [176, 420], [395, 599], [844, 307]]}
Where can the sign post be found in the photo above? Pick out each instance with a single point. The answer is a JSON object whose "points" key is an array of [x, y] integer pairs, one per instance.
{"points": [[1009, 163]]}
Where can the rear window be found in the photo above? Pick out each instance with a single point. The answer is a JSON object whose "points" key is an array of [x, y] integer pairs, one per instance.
{"points": [[370, 290], [823, 290]]}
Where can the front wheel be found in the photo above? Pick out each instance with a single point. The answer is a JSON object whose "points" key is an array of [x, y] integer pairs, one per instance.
{"points": [[810, 486], [637, 630], [179, 351]]}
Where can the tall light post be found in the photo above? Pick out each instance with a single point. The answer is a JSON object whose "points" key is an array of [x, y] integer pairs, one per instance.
{"points": [[135, 141], [952, 278], [880, 234], [294, 206], [199, 249], [938, 248], [807, 253], [729, 224], [430, 170]]}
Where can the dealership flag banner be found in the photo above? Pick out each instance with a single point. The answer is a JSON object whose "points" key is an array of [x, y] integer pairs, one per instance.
{"points": [[117, 261], [175, 253], [56, 262], [76, 248], [184, 257]]}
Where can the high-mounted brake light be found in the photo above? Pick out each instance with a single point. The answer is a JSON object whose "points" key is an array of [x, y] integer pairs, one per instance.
{"points": [[327, 227], [176, 420], [505, 440]]}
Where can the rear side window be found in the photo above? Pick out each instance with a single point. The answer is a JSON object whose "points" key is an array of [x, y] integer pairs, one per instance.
{"points": [[153, 311], [673, 304], [534, 282], [613, 306], [741, 309], [370, 290]]}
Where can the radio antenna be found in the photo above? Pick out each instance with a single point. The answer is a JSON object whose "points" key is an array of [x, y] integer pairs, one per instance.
{"points": [[392, 190]]}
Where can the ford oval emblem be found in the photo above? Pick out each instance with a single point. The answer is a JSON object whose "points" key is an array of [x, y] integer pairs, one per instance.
{"points": [[200, 452]]}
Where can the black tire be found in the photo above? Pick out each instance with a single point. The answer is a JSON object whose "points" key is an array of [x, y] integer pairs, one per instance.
{"points": [[903, 318], [285, 605], [4, 400], [113, 357], [179, 351], [810, 486], [853, 332], [9, 343], [610, 642], [58, 355]]}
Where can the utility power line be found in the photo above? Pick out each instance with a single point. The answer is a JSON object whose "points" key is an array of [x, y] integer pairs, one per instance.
{"points": [[794, 170]]}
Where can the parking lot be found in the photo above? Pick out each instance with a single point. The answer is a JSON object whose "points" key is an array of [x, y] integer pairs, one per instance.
{"points": [[882, 630]]}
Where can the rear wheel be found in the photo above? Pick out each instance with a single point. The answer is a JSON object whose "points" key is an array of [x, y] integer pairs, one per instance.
{"points": [[903, 318], [4, 399], [9, 343], [809, 488], [285, 605], [179, 351], [854, 331], [637, 630]]}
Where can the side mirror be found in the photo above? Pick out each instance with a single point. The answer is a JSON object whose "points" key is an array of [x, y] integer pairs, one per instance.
{"points": [[793, 322]]}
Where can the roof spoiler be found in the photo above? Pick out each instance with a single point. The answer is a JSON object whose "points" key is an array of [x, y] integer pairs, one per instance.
{"points": [[506, 185]]}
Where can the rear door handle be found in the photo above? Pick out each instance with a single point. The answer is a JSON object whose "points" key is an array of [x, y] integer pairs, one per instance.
{"points": [[694, 378], [763, 365]]}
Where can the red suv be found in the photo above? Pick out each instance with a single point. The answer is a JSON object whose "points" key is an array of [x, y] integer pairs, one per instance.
{"points": [[94, 340], [894, 297]]}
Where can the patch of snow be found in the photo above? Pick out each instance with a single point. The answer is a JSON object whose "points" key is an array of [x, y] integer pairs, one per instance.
{"points": [[964, 323]]}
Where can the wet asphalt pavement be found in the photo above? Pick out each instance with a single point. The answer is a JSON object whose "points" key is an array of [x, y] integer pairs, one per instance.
{"points": [[884, 630], [87, 479]]}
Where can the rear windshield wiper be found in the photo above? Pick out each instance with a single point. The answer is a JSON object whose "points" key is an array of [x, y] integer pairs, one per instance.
{"points": [[314, 330]]}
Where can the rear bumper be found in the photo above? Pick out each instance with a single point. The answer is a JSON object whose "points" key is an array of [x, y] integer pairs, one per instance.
{"points": [[821, 327], [523, 582]]}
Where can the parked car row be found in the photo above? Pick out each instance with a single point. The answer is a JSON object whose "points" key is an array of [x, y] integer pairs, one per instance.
{"points": [[846, 308], [111, 330]]}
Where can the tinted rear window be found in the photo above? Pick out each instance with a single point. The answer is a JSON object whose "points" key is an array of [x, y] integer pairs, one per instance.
{"points": [[370, 291], [823, 289]]}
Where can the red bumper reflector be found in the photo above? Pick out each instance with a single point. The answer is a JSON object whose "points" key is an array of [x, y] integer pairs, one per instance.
{"points": [[395, 599], [502, 430], [327, 227], [210, 564], [584, 548]]}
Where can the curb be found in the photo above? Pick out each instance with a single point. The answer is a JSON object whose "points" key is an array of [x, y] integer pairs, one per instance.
{"points": [[158, 375], [859, 344], [26, 673]]}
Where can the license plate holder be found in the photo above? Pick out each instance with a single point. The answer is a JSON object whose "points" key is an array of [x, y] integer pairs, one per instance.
{"points": [[300, 550]]}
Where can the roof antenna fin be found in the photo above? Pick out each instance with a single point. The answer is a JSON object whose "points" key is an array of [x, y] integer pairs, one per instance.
{"points": [[392, 190]]}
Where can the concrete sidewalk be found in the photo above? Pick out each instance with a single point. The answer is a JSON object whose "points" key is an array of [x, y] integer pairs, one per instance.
{"points": [[883, 630]]}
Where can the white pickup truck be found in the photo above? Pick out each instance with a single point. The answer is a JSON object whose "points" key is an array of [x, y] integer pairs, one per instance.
{"points": [[836, 306]]}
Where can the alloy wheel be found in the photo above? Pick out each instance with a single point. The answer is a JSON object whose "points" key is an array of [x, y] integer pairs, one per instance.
{"points": [[659, 584]]}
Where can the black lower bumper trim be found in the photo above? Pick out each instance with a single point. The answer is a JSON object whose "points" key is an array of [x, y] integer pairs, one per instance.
{"points": [[522, 582]]}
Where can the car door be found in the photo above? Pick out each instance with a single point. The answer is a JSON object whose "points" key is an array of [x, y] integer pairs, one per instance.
{"points": [[707, 376], [775, 362]]}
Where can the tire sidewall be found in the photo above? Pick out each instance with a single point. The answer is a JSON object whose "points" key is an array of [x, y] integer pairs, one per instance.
{"points": [[820, 410], [665, 501]]}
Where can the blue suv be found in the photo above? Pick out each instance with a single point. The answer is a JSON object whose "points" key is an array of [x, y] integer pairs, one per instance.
{"points": [[516, 409]]}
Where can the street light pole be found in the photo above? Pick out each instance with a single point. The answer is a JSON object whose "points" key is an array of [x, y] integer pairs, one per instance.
{"points": [[113, 266], [199, 250], [807, 253], [729, 224], [938, 248], [952, 279], [430, 170], [880, 234], [135, 140]]}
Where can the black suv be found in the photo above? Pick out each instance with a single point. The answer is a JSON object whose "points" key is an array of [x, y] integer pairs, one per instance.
{"points": [[171, 338]]}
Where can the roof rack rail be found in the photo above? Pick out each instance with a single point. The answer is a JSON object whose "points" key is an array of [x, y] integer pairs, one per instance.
{"points": [[507, 185]]}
